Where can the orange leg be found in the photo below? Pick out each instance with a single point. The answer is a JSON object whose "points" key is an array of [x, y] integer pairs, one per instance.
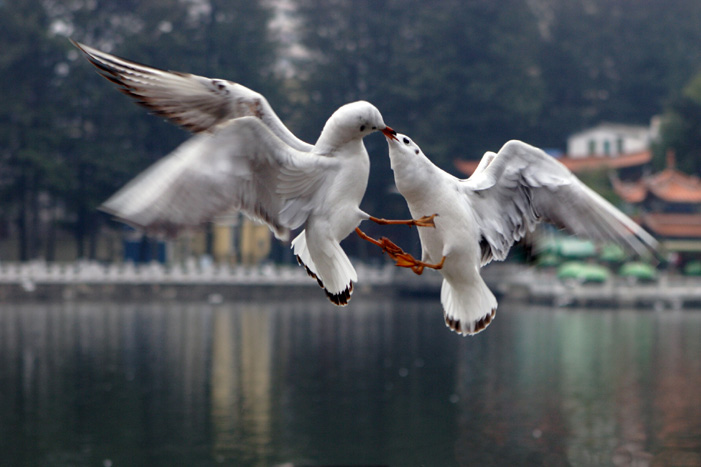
{"points": [[400, 257], [425, 221]]}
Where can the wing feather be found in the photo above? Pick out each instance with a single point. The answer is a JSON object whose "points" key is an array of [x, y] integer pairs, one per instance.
{"points": [[193, 102], [241, 167], [522, 186]]}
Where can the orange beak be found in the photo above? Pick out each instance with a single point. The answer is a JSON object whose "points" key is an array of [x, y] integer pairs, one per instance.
{"points": [[389, 133]]}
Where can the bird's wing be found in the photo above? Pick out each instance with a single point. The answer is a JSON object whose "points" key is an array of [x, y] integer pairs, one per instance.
{"points": [[243, 166], [523, 185], [193, 102]]}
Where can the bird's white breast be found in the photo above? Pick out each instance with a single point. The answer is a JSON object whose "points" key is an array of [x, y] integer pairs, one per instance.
{"points": [[455, 234], [344, 190]]}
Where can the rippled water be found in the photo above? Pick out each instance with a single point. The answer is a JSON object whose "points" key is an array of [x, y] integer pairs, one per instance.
{"points": [[379, 382]]}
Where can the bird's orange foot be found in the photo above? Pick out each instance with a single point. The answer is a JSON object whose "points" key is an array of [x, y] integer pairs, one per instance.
{"points": [[425, 221], [418, 266], [401, 258], [405, 260]]}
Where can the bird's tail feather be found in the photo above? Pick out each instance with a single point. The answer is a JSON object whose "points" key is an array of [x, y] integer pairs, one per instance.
{"points": [[468, 309], [330, 267]]}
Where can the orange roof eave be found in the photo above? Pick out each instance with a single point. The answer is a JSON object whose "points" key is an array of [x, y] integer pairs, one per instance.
{"points": [[673, 225], [578, 164], [673, 186], [630, 192]]}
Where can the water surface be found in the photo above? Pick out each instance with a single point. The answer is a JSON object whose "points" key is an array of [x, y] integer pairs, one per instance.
{"points": [[378, 382]]}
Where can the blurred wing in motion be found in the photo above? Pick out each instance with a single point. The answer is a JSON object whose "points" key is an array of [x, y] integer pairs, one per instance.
{"points": [[193, 102], [523, 185], [243, 166]]}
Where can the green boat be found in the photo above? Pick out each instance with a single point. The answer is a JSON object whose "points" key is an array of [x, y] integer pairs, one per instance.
{"points": [[583, 272], [692, 268], [638, 270]]}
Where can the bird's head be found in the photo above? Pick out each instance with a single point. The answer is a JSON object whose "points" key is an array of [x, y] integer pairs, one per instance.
{"points": [[401, 147], [410, 166], [354, 121]]}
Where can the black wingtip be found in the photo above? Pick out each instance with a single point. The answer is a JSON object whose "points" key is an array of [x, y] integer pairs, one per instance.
{"points": [[339, 299], [473, 328]]}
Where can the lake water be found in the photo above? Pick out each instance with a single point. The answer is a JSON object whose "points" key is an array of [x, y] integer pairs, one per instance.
{"points": [[380, 382]]}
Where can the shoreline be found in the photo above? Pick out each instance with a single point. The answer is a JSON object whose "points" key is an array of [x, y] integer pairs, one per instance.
{"points": [[90, 281]]}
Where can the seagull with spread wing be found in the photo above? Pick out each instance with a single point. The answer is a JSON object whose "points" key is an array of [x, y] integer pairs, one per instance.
{"points": [[243, 158], [480, 218]]}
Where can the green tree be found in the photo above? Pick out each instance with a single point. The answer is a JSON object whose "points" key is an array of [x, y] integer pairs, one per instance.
{"points": [[32, 168], [477, 75], [459, 77], [681, 130], [68, 133], [613, 61]]}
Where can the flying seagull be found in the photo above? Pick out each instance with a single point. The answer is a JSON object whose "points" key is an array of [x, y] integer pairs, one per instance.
{"points": [[479, 219], [243, 158]]}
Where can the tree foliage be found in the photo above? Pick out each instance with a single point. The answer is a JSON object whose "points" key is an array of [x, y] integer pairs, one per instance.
{"points": [[29, 162], [67, 133], [614, 61], [681, 129]]}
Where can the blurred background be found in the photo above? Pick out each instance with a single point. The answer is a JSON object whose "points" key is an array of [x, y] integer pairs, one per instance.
{"points": [[459, 77], [594, 357]]}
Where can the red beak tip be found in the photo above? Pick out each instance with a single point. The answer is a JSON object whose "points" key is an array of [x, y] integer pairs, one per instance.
{"points": [[390, 133]]}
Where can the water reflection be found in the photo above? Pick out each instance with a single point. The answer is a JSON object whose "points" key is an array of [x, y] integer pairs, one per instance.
{"points": [[242, 383], [380, 382]]}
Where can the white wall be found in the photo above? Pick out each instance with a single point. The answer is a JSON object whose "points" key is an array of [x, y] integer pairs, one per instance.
{"points": [[608, 141]]}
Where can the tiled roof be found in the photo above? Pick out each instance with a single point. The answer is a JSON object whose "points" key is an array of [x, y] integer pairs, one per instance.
{"points": [[597, 162], [673, 225], [579, 164], [670, 185], [674, 186], [630, 192], [465, 167]]}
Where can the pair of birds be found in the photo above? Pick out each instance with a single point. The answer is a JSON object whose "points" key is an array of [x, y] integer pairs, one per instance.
{"points": [[243, 158]]}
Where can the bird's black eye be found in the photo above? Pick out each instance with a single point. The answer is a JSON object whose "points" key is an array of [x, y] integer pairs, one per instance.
{"points": [[374, 128], [416, 152], [362, 127], [406, 141]]}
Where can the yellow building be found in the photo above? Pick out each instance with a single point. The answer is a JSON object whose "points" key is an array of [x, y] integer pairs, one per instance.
{"points": [[239, 240], [254, 242]]}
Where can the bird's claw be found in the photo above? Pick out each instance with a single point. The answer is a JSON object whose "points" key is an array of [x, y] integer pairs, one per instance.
{"points": [[425, 221], [401, 258]]}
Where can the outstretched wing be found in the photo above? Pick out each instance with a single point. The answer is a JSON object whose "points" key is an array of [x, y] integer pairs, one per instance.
{"points": [[243, 166], [522, 185], [193, 102]]}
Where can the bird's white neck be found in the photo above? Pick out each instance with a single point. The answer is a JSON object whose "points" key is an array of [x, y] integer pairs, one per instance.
{"points": [[414, 174], [329, 143]]}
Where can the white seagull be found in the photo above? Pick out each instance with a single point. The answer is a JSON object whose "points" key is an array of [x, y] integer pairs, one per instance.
{"points": [[243, 158], [480, 218]]}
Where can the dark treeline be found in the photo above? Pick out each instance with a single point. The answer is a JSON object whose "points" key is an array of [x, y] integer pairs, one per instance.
{"points": [[460, 77]]}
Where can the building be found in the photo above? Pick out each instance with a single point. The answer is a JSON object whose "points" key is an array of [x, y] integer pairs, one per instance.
{"points": [[609, 140], [229, 240], [670, 206], [236, 239]]}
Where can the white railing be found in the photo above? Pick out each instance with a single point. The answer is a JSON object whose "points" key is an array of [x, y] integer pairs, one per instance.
{"points": [[90, 272]]}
